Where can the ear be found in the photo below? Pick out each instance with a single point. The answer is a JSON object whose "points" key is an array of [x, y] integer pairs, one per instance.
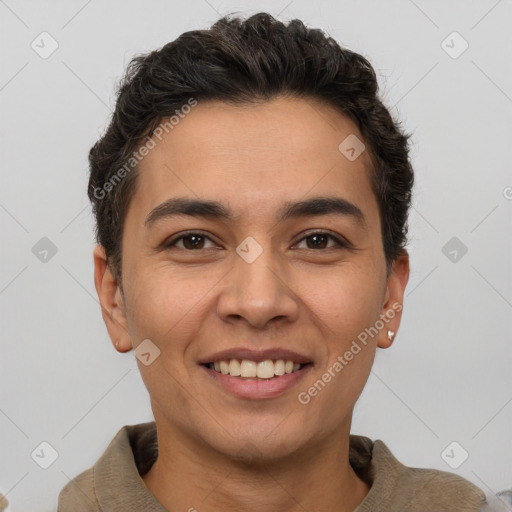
{"points": [[111, 300], [391, 313]]}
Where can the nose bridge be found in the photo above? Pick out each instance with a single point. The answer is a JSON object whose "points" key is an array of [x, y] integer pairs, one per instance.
{"points": [[257, 289]]}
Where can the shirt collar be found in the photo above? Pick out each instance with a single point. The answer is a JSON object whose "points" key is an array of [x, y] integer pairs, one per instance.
{"points": [[119, 486]]}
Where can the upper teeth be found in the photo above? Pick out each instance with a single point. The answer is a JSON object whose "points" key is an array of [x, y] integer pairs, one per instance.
{"points": [[263, 370]]}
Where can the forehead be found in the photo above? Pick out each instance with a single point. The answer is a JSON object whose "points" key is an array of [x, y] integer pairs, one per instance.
{"points": [[286, 148]]}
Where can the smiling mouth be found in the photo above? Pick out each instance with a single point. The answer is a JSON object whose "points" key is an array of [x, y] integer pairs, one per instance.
{"points": [[247, 369]]}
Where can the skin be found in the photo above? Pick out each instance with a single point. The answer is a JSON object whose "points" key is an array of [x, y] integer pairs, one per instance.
{"points": [[218, 452]]}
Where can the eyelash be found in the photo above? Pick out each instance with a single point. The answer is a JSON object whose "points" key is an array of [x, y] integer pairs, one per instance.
{"points": [[339, 242]]}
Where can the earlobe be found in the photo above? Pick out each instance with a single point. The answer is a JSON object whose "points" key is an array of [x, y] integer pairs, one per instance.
{"points": [[393, 301], [111, 301]]}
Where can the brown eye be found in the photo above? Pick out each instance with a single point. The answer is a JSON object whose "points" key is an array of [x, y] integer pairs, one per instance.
{"points": [[193, 241], [190, 241], [319, 240]]}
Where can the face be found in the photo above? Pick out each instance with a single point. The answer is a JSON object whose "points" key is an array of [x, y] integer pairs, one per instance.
{"points": [[284, 262]]}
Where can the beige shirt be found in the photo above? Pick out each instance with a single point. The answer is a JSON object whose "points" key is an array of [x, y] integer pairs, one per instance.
{"points": [[114, 483]]}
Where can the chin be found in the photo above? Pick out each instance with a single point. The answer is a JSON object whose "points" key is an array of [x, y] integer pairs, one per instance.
{"points": [[258, 445]]}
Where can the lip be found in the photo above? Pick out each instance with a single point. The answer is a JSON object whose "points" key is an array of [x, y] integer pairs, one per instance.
{"points": [[257, 389], [255, 355]]}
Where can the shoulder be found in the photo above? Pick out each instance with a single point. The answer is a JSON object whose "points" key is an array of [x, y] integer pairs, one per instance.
{"points": [[130, 453], [395, 486], [78, 494], [439, 489]]}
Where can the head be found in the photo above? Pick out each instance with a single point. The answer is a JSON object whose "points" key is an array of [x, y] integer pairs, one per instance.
{"points": [[251, 197]]}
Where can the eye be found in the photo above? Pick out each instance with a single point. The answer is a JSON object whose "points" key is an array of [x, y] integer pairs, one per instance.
{"points": [[195, 240], [319, 240], [190, 241]]}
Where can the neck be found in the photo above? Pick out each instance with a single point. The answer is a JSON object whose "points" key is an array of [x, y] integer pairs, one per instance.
{"points": [[185, 477]]}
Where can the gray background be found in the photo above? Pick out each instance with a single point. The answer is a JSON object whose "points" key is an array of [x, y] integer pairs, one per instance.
{"points": [[446, 378]]}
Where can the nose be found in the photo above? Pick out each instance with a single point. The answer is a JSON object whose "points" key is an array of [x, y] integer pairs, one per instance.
{"points": [[260, 293]]}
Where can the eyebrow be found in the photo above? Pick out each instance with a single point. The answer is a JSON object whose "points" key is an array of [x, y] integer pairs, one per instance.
{"points": [[214, 210]]}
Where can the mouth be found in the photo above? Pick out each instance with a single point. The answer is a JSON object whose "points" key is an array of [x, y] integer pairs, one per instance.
{"points": [[248, 369], [253, 374]]}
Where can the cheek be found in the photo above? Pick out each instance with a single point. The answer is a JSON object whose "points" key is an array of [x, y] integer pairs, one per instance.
{"points": [[169, 306], [346, 307], [346, 300], [166, 309]]}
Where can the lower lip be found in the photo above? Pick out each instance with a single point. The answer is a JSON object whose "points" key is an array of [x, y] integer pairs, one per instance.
{"points": [[257, 389]]}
